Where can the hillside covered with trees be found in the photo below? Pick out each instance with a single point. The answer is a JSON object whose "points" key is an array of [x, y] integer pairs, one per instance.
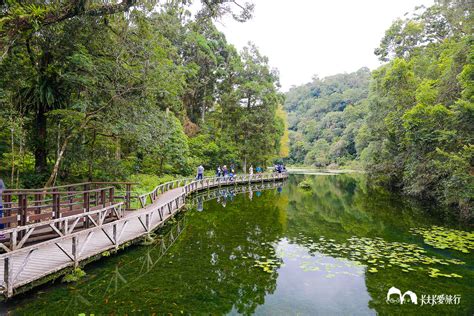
{"points": [[324, 117], [410, 123], [104, 90]]}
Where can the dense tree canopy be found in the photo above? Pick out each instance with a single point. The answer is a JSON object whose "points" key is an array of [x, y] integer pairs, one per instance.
{"points": [[103, 90], [106, 89], [420, 123], [412, 128], [324, 117]]}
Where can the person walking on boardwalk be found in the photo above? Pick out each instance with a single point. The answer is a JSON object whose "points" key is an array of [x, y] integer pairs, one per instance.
{"points": [[2, 187], [224, 171], [200, 172], [218, 171], [251, 170]]}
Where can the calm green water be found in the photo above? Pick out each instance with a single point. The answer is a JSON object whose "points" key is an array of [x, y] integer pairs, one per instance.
{"points": [[318, 244]]}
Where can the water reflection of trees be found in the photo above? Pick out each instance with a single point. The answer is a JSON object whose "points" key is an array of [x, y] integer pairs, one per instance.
{"points": [[339, 207], [220, 279], [226, 194], [204, 272], [87, 293]]}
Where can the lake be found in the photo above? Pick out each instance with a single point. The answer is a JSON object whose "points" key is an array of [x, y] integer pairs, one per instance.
{"points": [[333, 249]]}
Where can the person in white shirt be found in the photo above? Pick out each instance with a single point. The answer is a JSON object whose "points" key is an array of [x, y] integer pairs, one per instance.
{"points": [[200, 172]]}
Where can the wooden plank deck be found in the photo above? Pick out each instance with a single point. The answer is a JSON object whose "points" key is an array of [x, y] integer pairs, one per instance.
{"points": [[34, 263]]}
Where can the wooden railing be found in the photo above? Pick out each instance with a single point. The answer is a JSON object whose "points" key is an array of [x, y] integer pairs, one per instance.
{"points": [[74, 246], [208, 195], [28, 206], [52, 209], [16, 238], [151, 196], [191, 184], [25, 261]]}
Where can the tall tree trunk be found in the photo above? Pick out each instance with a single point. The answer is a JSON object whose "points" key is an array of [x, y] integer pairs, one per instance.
{"points": [[162, 160], [203, 106], [39, 137], [203, 112], [13, 157], [91, 157], [22, 157], [118, 153], [54, 174]]}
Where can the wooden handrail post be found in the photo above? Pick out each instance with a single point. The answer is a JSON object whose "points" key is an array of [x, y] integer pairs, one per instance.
{"points": [[38, 197], [56, 204], [86, 204], [22, 211], [102, 198], [21, 197], [127, 196], [96, 197], [7, 198], [71, 200], [111, 195]]}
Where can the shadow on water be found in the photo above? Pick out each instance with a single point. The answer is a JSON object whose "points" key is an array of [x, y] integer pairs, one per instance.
{"points": [[274, 249]]}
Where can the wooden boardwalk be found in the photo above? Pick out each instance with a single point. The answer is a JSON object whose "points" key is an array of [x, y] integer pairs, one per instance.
{"points": [[110, 228]]}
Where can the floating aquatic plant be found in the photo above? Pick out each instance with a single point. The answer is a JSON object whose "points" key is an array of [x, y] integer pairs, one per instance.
{"points": [[372, 254], [305, 185], [269, 265], [443, 238], [376, 253], [434, 273]]}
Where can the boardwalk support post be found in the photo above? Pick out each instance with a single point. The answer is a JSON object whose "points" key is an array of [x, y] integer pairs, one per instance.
{"points": [[74, 251], [114, 235], [147, 222], [7, 276]]}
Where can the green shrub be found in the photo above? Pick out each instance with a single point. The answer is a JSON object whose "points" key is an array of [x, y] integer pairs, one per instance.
{"points": [[305, 185], [74, 276]]}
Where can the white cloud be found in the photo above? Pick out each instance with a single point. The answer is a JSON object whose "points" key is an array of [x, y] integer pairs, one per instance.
{"points": [[324, 37]]}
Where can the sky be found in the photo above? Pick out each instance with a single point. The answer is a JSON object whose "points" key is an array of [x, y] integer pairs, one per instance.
{"points": [[303, 38]]}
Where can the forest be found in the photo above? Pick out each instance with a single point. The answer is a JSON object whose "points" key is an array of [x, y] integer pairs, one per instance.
{"points": [[149, 90], [351, 194], [100, 90], [410, 123]]}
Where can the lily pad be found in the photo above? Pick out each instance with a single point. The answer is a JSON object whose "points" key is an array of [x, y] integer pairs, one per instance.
{"points": [[443, 238]]}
